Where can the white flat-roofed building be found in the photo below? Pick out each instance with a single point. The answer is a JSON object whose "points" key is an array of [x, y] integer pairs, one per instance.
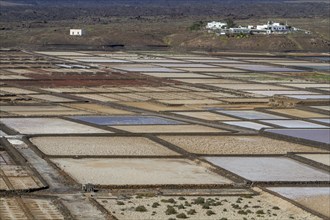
{"points": [[262, 27], [76, 32], [240, 30], [273, 27], [215, 25]]}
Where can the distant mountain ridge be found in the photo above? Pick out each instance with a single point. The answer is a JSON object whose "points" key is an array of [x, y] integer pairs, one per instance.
{"points": [[131, 2], [86, 10]]}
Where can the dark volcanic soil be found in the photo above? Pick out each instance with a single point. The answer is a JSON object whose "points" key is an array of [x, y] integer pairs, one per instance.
{"points": [[159, 24]]}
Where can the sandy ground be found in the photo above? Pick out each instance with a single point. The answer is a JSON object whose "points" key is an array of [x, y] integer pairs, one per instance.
{"points": [[61, 53], [177, 75], [270, 169], [172, 95], [298, 113], [236, 145], [138, 171], [155, 106], [307, 85], [315, 198], [16, 91], [272, 93], [20, 71], [184, 65], [245, 207], [209, 116], [96, 97], [42, 110], [320, 158], [217, 94], [208, 70], [190, 102], [100, 146], [168, 129], [67, 89], [48, 126], [250, 86], [36, 108], [51, 98], [209, 81], [51, 113]]}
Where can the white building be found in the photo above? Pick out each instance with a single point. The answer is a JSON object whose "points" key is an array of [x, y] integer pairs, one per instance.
{"points": [[215, 25], [76, 32], [240, 30], [273, 27]]}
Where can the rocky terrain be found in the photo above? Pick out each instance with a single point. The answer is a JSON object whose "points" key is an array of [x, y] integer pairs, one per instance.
{"points": [[160, 24]]}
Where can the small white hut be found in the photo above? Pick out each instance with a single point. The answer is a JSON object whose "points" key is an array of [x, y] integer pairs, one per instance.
{"points": [[76, 32]]}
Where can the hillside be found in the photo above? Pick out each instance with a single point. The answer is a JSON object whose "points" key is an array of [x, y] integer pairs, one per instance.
{"points": [[161, 23]]}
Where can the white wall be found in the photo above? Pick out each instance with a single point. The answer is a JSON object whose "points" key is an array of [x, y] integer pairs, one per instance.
{"points": [[76, 32], [215, 25]]}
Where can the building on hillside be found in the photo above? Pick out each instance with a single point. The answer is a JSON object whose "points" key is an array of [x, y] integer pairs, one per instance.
{"points": [[273, 27], [269, 28], [216, 25], [240, 30], [76, 32]]}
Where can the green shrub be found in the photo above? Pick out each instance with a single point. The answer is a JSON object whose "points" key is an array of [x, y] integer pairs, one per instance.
{"points": [[242, 212], [186, 203], [260, 212], [206, 206], [181, 215], [197, 25], [181, 206], [199, 200], [141, 195], [155, 205], [120, 203], [171, 200], [230, 23], [170, 210], [191, 212], [141, 208], [217, 204], [235, 206], [210, 212]]}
